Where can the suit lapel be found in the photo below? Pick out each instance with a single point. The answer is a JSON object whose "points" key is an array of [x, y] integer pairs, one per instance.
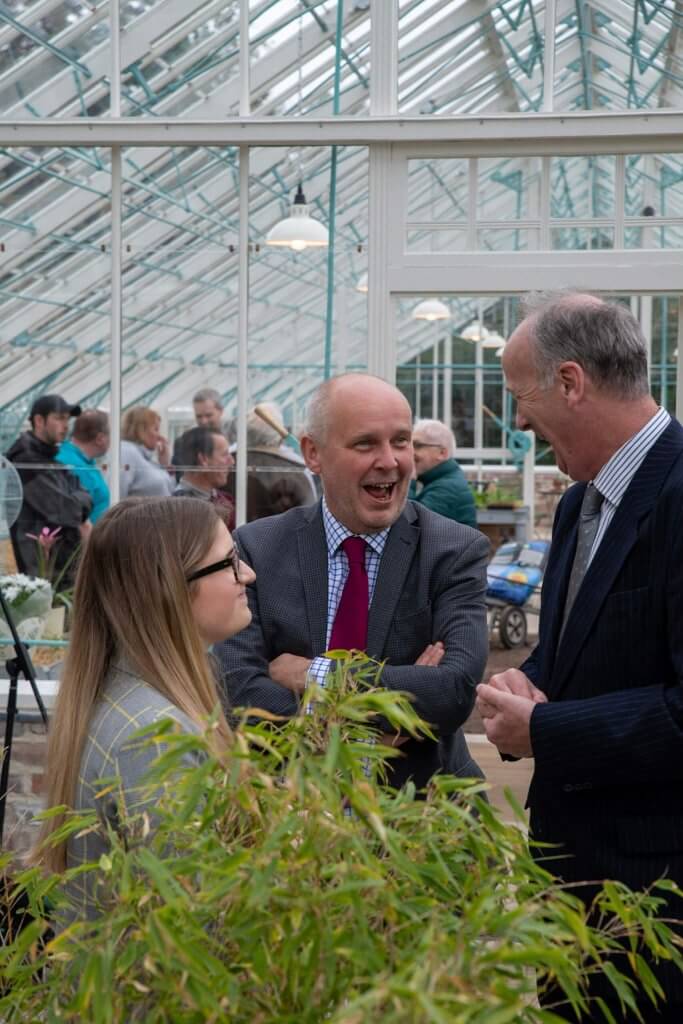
{"points": [[314, 572], [615, 546], [393, 568]]}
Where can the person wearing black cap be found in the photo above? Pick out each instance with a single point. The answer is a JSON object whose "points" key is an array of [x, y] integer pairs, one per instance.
{"points": [[53, 497]]}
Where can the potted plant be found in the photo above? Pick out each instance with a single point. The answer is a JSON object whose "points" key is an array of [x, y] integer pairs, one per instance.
{"points": [[46, 540], [29, 599]]}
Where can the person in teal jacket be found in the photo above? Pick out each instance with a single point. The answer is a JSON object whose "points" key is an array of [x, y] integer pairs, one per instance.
{"points": [[444, 487], [89, 441]]}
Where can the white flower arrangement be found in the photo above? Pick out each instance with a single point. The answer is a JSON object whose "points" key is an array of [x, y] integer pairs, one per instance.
{"points": [[29, 599]]}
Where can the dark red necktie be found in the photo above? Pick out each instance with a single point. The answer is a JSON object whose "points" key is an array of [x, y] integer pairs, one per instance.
{"points": [[350, 629]]}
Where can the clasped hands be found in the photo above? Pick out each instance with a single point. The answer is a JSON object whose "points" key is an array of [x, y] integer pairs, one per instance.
{"points": [[506, 703]]}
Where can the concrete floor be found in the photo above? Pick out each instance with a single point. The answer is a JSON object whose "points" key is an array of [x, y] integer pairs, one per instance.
{"points": [[500, 774]]}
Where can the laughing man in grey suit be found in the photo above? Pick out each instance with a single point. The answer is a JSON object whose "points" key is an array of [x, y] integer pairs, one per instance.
{"points": [[426, 579]]}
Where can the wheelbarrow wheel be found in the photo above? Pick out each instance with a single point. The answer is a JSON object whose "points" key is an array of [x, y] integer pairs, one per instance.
{"points": [[512, 626]]}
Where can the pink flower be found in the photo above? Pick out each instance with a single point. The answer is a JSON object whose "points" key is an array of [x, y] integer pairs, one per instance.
{"points": [[47, 537]]}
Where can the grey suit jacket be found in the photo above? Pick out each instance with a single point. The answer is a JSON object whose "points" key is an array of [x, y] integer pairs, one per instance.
{"points": [[127, 704], [431, 586]]}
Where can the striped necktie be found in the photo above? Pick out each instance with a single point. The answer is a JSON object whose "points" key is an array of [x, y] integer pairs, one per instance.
{"points": [[589, 520]]}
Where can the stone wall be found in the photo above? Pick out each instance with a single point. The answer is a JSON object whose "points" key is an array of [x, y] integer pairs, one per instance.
{"points": [[26, 785]]}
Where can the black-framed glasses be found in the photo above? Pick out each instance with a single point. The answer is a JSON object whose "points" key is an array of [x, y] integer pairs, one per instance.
{"points": [[419, 445], [232, 561]]}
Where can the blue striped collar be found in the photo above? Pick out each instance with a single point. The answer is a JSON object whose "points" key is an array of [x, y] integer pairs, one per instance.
{"points": [[336, 532], [615, 476]]}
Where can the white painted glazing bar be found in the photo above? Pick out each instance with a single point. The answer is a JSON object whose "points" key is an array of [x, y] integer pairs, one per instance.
{"points": [[383, 57], [549, 55], [115, 83], [473, 182], [245, 67], [619, 199], [114, 457], [448, 378]]}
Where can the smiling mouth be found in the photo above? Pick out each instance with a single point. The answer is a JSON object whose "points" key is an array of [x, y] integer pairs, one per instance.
{"points": [[381, 492]]}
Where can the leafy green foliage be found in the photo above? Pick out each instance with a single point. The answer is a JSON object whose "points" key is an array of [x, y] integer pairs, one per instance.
{"points": [[288, 886]]}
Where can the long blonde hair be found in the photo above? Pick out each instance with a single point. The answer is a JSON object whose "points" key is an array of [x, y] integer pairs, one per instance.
{"points": [[132, 601]]}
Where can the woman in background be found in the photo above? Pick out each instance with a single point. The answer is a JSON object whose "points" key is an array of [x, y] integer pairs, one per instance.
{"points": [[160, 581], [141, 441]]}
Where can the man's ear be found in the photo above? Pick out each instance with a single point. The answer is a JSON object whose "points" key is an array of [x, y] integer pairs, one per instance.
{"points": [[202, 460], [572, 382], [311, 453]]}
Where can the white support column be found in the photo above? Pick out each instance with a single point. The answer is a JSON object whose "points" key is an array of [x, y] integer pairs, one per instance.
{"points": [[381, 334], [529, 486], [115, 73], [549, 55], [242, 342], [243, 281], [679, 363], [383, 57], [383, 101], [115, 342]]}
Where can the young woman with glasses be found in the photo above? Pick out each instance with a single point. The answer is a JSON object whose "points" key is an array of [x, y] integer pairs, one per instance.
{"points": [[159, 582]]}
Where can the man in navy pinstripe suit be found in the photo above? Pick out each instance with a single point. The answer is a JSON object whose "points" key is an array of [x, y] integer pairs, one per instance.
{"points": [[426, 579], [599, 703]]}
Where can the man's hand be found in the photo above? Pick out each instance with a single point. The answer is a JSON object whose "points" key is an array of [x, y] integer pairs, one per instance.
{"points": [[514, 681], [432, 654], [507, 719], [290, 671]]}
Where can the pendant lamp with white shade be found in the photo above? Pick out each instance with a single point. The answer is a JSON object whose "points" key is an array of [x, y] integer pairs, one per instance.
{"points": [[299, 231], [431, 309]]}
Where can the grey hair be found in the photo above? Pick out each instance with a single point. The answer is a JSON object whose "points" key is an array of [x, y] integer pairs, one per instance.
{"points": [[209, 395], [604, 338], [436, 432], [318, 411]]}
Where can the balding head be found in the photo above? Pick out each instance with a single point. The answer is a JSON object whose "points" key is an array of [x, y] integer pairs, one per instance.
{"points": [[358, 440], [604, 338], [332, 395]]}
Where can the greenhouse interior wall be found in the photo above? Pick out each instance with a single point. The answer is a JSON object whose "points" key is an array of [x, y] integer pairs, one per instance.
{"points": [[465, 151]]}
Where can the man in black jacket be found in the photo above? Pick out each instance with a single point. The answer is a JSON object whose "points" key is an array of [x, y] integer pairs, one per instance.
{"points": [[53, 497]]}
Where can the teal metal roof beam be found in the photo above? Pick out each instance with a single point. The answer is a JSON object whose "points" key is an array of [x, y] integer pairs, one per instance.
{"points": [[39, 38]]}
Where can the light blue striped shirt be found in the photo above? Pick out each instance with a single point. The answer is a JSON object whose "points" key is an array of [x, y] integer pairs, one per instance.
{"points": [[615, 476]]}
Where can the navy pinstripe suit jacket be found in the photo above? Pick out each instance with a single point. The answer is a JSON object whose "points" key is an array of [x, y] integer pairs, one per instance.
{"points": [[431, 586], [608, 747]]}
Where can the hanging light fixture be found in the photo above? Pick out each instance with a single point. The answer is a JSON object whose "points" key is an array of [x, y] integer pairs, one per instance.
{"points": [[493, 340], [298, 231], [431, 309], [475, 332], [362, 283]]}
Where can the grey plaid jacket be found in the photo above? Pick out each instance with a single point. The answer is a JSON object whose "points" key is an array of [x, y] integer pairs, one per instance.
{"points": [[431, 586], [127, 704]]}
